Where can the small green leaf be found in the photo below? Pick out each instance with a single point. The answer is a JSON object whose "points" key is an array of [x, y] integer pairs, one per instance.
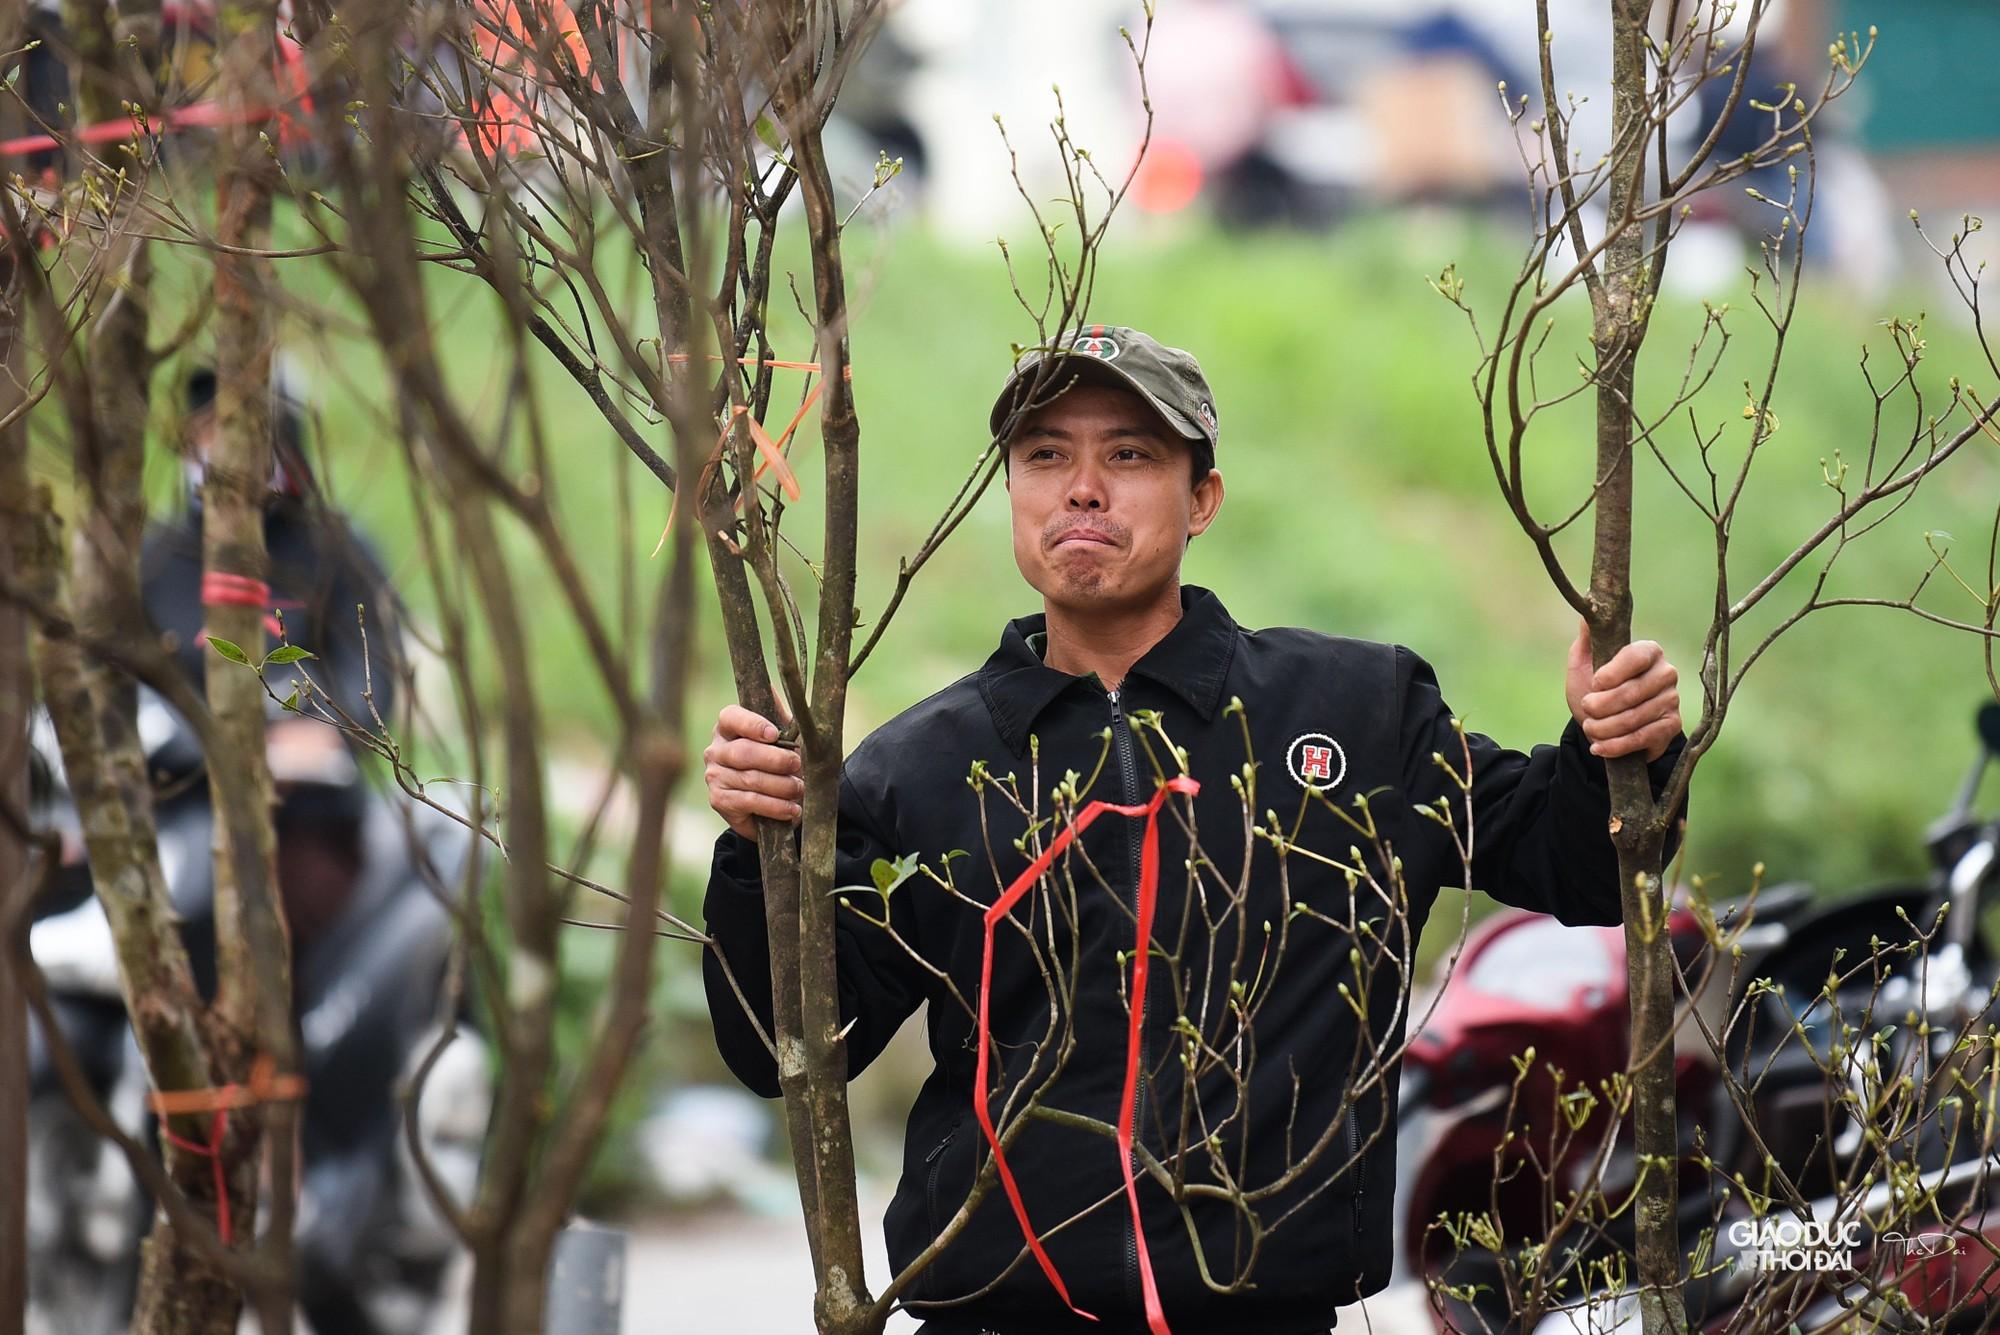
{"points": [[888, 875], [229, 650], [768, 132], [288, 653]]}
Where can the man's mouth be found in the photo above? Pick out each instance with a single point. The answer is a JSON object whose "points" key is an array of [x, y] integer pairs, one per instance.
{"points": [[1086, 535]]}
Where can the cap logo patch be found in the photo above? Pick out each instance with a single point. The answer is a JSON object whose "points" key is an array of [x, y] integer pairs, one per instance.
{"points": [[1316, 761], [1206, 412], [1096, 345]]}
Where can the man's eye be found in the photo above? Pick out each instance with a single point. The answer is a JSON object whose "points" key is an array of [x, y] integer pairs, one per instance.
{"points": [[1041, 452], [1128, 452]]}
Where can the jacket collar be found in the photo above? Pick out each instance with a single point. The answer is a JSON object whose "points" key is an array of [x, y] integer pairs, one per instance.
{"points": [[1192, 660]]}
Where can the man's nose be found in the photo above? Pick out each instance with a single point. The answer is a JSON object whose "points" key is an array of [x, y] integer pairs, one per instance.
{"points": [[1086, 492]]}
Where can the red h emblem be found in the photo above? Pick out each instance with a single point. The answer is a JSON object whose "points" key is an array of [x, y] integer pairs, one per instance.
{"points": [[1317, 761]]}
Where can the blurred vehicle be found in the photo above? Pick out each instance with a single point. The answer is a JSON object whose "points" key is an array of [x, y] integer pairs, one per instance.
{"points": [[1296, 112], [1905, 1017], [1526, 982], [372, 1249]]}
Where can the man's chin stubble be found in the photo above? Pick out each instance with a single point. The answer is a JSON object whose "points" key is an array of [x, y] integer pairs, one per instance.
{"points": [[1081, 580]]}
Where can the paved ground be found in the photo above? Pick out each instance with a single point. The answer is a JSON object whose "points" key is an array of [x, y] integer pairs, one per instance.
{"points": [[729, 1272], [746, 1274]]}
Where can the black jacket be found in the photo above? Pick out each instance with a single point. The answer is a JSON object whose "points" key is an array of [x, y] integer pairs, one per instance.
{"points": [[1539, 841]]}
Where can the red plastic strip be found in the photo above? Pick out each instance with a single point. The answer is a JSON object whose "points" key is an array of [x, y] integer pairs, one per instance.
{"points": [[1149, 871], [1149, 884], [219, 588], [265, 1086], [200, 115], [217, 1124]]}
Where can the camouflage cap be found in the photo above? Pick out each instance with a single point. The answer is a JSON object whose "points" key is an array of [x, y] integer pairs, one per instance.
{"points": [[1167, 378]]}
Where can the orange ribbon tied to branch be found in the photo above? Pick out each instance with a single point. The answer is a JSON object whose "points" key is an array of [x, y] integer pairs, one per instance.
{"points": [[264, 1086], [774, 457], [770, 450], [1149, 885]]}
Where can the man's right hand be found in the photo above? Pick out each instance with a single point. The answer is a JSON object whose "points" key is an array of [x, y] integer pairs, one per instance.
{"points": [[748, 774]]}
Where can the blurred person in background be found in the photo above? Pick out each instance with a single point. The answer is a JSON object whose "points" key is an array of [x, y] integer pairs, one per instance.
{"points": [[324, 587], [1110, 476]]}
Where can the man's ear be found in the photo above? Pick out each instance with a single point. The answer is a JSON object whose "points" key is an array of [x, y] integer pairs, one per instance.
{"points": [[1207, 501]]}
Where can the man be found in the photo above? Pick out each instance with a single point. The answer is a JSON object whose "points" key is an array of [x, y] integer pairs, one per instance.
{"points": [[1277, 996], [323, 585], [320, 571]]}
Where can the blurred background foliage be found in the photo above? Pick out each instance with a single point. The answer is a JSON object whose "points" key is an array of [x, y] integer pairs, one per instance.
{"points": [[1360, 502]]}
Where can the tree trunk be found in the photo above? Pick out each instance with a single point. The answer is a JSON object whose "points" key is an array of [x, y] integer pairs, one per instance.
{"points": [[842, 1303], [159, 991], [1637, 831], [253, 1001], [94, 708], [179, 1294]]}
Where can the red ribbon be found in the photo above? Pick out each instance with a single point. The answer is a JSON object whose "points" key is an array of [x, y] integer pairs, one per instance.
{"points": [[1149, 880], [265, 1086], [199, 116], [218, 1123], [219, 588], [290, 74]]}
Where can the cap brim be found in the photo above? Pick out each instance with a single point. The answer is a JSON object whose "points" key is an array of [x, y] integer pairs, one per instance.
{"points": [[1075, 368]]}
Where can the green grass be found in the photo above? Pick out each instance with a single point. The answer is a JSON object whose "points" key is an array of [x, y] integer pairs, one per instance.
{"points": [[1360, 501]]}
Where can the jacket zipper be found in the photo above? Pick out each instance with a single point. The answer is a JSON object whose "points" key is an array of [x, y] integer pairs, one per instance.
{"points": [[1128, 769], [935, 1162]]}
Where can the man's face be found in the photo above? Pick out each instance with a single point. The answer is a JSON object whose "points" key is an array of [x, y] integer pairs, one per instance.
{"points": [[1102, 503]]}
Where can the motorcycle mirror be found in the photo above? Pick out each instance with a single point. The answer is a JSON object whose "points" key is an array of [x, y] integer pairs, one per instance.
{"points": [[1989, 726]]}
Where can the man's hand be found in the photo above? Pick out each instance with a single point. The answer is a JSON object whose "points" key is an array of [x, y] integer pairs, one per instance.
{"points": [[1629, 706], [747, 775]]}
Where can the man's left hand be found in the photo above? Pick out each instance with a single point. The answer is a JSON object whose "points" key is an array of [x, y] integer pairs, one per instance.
{"points": [[1630, 705]]}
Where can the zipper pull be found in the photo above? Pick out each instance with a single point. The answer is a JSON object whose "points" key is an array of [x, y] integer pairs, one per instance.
{"points": [[939, 1148]]}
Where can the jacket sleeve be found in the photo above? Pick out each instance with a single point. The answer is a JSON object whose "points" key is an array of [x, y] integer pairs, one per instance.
{"points": [[1539, 820], [880, 984]]}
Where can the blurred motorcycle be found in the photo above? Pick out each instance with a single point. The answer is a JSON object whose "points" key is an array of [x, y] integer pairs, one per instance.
{"points": [[1526, 986], [369, 982], [1526, 981]]}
